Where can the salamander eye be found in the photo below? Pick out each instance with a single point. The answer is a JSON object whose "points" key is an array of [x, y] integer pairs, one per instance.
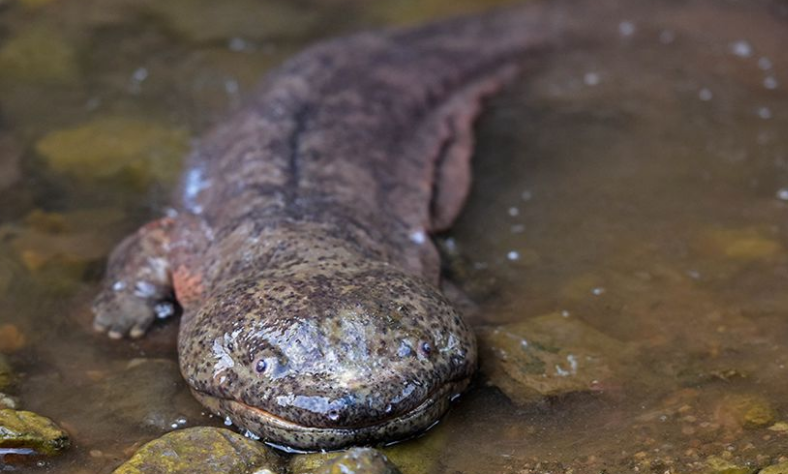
{"points": [[261, 366], [425, 348]]}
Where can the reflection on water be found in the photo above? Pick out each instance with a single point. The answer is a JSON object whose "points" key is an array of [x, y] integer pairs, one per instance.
{"points": [[635, 183]]}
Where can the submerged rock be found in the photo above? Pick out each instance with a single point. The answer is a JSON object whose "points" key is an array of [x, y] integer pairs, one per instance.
{"points": [[745, 411], [359, 461], [352, 461], [11, 338], [781, 468], [145, 394], [59, 248], [27, 430], [202, 450], [135, 152], [206, 21], [718, 465], [548, 356], [38, 54]]}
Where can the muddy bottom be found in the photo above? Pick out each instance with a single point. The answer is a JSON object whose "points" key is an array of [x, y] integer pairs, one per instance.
{"points": [[633, 181]]}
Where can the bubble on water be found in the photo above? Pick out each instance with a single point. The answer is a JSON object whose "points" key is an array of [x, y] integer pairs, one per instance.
{"points": [[626, 28], [591, 79], [565, 313], [770, 82], [513, 255], [782, 194], [765, 63], [526, 195], [598, 291], [514, 212], [741, 48], [694, 274], [667, 36], [137, 78], [764, 113], [705, 94], [517, 229]]}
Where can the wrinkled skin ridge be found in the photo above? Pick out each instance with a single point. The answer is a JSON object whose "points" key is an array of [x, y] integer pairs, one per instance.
{"points": [[300, 251]]}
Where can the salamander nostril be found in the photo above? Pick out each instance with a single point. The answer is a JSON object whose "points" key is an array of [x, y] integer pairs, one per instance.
{"points": [[333, 415], [261, 366]]}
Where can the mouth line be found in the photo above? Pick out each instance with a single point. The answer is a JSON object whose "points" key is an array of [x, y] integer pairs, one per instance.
{"points": [[432, 397]]}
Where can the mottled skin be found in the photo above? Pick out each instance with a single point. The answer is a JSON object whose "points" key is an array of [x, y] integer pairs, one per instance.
{"points": [[300, 252]]}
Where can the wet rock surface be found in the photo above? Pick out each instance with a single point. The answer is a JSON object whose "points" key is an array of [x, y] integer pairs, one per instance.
{"points": [[358, 461], [130, 151], [202, 451], [548, 356], [29, 431]]}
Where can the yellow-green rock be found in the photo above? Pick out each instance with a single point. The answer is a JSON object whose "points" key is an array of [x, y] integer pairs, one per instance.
{"points": [[743, 244], [548, 356], [202, 450], [38, 54], [421, 455], [352, 461], [24, 429], [136, 151], [58, 248], [781, 468], [718, 465], [747, 410], [206, 21], [359, 461]]}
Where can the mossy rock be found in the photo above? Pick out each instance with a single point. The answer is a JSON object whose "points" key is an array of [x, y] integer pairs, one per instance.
{"points": [[549, 356], [208, 21], [781, 468], [202, 450], [718, 465], [38, 55], [24, 429], [352, 461], [135, 152]]}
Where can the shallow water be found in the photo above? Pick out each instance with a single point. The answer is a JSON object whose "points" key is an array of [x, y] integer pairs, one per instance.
{"points": [[635, 179]]}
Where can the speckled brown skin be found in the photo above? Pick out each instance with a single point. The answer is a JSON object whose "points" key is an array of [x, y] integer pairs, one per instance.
{"points": [[300, 253]]}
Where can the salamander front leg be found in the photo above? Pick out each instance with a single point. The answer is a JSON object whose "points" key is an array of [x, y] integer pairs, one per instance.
{"points": [[137, 288]]}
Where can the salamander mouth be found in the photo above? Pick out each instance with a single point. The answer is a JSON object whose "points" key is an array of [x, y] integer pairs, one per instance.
{"points": [[293, 435]]}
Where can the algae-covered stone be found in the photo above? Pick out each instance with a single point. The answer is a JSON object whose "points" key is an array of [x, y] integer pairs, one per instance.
{"points": [[421, 455], [206, 21], [144, 393], [202, 450], [359, 461], [38, 54], [59, 248], [352, 461], [137, 152], [24, 429], [548, 356], [781, 468], [742, 244], [745, 410], [718, 465]]}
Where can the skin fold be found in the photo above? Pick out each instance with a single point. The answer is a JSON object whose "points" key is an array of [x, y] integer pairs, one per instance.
{"points": [[300, 251]]}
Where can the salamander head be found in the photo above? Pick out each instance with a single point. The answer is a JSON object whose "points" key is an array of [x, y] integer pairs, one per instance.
{"points": [[320, 360]]}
